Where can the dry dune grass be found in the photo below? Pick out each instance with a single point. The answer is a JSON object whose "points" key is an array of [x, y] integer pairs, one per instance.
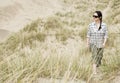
{"points": [[54, 47]]}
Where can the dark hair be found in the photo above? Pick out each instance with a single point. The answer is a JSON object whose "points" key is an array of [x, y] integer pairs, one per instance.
{"points": [[99, 13]]}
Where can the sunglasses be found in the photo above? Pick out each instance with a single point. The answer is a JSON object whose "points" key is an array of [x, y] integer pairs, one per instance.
{"points": [[95, 16]]}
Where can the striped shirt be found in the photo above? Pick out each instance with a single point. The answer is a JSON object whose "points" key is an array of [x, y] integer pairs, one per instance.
{"points": [[96, 36]]}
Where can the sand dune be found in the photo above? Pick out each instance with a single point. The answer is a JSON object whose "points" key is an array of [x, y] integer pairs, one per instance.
{"points": [[3, 34], [15, 14]]}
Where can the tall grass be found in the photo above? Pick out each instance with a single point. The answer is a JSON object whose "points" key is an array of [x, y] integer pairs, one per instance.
{"points": [[23, 66], [37, 51]]}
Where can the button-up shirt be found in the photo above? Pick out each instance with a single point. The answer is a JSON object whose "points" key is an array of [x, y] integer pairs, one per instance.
{"points": [[96, 36]]}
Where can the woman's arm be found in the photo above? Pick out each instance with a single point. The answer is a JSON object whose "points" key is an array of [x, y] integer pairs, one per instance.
{"points": [[88, 35], [88, 41], [105, 36], [104, 42]]}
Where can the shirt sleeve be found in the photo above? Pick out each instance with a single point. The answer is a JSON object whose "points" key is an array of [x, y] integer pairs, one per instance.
{"points": [[106, 33], [88, 32]]}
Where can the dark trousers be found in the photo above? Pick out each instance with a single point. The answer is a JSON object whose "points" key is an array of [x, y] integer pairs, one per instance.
{"points": [[97, 54]]}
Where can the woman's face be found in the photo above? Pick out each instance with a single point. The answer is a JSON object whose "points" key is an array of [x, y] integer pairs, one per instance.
{"points": [[95, 17]]}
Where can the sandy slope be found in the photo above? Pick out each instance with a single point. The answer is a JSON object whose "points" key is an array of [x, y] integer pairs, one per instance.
{"points": [[15, 14], [3, 34], [43, 80]]}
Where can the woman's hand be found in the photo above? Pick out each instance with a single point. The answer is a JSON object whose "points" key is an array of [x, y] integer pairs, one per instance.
{"points": [[88, 42], [103, 45], [104, 42]]}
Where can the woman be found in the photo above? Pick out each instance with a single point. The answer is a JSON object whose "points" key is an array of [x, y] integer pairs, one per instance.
{"points": [[96, 39]]}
